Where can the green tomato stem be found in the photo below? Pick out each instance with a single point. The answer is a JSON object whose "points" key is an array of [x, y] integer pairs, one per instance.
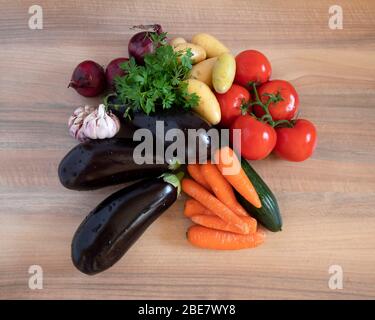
{"points": [[267, 117]]}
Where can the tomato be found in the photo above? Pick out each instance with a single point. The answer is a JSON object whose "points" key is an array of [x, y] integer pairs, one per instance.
{"points": [[297, 143], [252, 66], [230, 104], [256, 139], [285, 109]]}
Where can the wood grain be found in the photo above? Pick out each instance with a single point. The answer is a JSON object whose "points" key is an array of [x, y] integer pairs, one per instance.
{"points": [[327, 202]]}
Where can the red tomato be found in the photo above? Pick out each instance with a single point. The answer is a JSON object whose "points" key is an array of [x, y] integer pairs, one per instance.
{"points": [[230, 104], [285, 109], [252, 66], [257, 139], [297, 143]]}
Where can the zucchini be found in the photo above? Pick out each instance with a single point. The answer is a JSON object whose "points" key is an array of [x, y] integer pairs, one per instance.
{"points": [[269, 214]]}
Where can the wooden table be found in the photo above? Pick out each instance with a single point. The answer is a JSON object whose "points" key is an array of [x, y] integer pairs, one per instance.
{"points": [[327, 202]]}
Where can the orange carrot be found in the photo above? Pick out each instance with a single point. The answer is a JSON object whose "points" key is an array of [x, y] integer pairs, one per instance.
{"points": [[195, 172], [196, 191], [214, 222], [193, 207], [222, 240], [229, 165], [221, 188]]}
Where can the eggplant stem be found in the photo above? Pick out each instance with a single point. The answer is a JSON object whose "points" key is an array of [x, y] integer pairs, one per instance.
{"points": [[174, 180]]}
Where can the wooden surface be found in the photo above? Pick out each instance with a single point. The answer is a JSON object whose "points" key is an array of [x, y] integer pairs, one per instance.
{"points": [[327, 202]]}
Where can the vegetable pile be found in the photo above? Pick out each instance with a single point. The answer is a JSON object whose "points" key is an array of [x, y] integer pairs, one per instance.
{"points": [[190, 85]]}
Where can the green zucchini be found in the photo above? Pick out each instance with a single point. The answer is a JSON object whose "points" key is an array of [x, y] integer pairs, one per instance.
{"points": [[269, 214]]}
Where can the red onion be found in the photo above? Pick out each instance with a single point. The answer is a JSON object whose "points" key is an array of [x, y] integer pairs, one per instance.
{"points": [[88, 79], [141, 43], [113, 70]]}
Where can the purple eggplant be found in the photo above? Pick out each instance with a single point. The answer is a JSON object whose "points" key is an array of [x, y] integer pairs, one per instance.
{"points": [[98, 163], [117, 222]]}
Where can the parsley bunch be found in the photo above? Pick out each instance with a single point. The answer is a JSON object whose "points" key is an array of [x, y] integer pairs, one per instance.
{"points": [[158, 84]]}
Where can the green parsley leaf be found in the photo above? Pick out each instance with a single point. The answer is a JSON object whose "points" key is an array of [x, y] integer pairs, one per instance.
{"points": [[158, 84]]}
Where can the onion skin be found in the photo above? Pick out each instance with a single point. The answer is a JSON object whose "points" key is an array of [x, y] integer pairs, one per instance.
{"points": [[114, 70], [141, 44], [88, 79]]}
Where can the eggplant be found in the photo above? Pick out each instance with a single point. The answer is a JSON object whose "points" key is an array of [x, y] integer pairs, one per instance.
{"points": [[116, 223], [98, 163], [173, 119]]}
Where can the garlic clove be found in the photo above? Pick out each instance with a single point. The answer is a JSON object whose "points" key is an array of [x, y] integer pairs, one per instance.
{"points": [[115, 124], [76, 120], [89, 127], [102, 129], [81, 136], [100, 124], [111, 126]]}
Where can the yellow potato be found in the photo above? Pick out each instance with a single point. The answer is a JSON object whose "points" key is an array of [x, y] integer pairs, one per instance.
{"points": [[223, 72], [176, 41], [208, 107], [199, 54], [202, 71], [213, 46]]}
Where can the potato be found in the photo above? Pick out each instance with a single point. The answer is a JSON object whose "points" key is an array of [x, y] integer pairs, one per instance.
{"points": [[223, 72], [208, 107], [176, 41], [199, 54], [210, 44], [202, 71]]}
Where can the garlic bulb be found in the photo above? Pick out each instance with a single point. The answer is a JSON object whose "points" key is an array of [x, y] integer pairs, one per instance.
{"points": [[101, 125], [75, 123]]}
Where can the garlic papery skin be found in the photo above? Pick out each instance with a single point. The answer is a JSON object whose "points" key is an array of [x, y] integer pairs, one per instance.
{"points": [[75, 123], [101, 125]]}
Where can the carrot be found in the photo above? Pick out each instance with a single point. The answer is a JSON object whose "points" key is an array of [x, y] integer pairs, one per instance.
{"points": [[222, 240], [195, 172], [229, 165], [215, 222], [221, 188], [193, 207], [196, 191]]}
